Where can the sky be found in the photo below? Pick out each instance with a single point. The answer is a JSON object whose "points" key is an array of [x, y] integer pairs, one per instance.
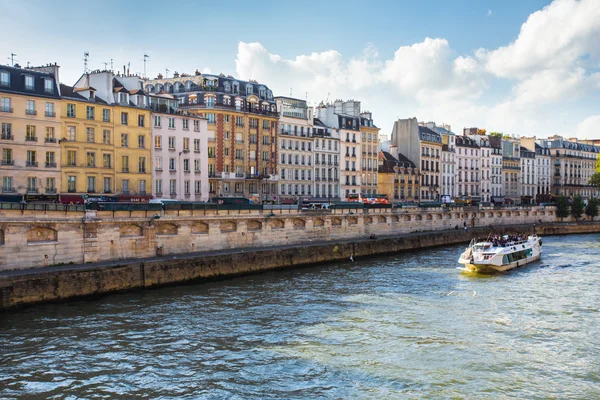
{"points": [[524, 68]]}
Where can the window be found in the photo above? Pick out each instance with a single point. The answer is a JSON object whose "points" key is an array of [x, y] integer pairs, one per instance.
{"points": [[4, 79], [158, 142], [211, 118], [186, 143], [196, 165], [7, 184], [71, 110], [105, 115], [172, 186], [125, 164], [157, 121], [6, 131], [106, 136], [197, 145], [50, 185], [172, 123], [71, 158], [91, 183], [32, 184], [50, 159], [71, 184], [31, 160], [239, 121], [197, 187], [5, 105], [124, 118], [30, 107], [158, 185], [142, 165], [239, 154], [196, 126], [50, 110], [158, 163], [124, 139], [125, 186], [142, 185], [225, 151], [106, 160], [89, 112], [91, 159], [210, 101], [107, 185], [141, 141], [186, 165], [186, 124], [141, 120], [171, 164], [29, 83], [30, 133], [90, 134], [172, 142], [186, 186]]}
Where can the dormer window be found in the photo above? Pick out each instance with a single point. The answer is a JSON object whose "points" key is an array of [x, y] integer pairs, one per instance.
{"points": [[262, 92], [4, 78], [29, 82], [248, 89], [236, 88], [48, 86], [227, 87], [269, 95]]}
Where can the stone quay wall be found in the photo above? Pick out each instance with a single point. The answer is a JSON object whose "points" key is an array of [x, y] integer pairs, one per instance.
{"points": [[33, 239], [59, 283]]}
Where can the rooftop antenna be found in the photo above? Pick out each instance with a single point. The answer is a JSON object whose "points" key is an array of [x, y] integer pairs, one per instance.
{"points": [[111, 65], [327, 98], [105, 66], [146, 56], [290, 92], [167, 73], [28, 63], [12, 59], [86, 55]]}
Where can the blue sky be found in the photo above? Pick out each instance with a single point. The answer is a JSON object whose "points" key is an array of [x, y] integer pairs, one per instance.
{"points": [[456, 62]]}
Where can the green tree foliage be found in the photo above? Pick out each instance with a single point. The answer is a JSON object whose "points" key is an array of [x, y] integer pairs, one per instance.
{"points": [[496, 134], [562, 207], [591, 210], [595, 179], [577, 207]]}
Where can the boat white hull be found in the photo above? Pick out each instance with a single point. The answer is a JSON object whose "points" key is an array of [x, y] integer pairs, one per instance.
{"points": [[500, 268]]}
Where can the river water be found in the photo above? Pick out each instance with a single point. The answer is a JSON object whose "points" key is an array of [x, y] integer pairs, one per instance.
{"points": [[403, 326]]}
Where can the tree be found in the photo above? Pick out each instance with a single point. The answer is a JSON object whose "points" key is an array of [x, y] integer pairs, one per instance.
{"points": [[497, 134], [591, 210], [562, 207], [595, 179], [577, 207], [481, 132]]}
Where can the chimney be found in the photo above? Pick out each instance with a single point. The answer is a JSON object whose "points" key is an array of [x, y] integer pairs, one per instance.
{"points": [[394, 151], [124, 70], [176, 74], [159, 76], [197, 72]]}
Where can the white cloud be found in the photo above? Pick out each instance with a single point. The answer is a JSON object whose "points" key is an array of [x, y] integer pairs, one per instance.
{"points": [[551, 64], [559, 36], [489, 13], [589, 127]]}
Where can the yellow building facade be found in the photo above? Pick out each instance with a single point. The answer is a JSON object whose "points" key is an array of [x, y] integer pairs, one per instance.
{"points": [[397, 176]]}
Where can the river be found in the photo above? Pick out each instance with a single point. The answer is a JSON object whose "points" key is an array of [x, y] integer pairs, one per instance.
{"points": [[403, 326]]}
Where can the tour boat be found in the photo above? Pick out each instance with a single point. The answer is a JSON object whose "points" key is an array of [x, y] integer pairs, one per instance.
{"points": [[501, 253]]}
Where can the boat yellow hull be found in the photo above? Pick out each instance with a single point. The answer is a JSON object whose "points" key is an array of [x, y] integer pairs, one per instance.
{"points": [[487, 268]]}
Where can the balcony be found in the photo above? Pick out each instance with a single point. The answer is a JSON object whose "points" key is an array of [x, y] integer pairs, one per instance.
{"points": [[31, 112], [50, 165], [125, 170], [32, 190], [50, 140], [31, 164], [6, 189], [7, 137], [31, 138], [50, 114], [6, 109]]}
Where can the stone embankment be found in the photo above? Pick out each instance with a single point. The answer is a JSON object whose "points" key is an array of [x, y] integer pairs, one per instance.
{"points": [[39, 238], [53, 283]]}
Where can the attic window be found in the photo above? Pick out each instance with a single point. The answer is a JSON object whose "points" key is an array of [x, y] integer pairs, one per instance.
{"points": [[29, 82], [48, 86], [4, 78]]}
